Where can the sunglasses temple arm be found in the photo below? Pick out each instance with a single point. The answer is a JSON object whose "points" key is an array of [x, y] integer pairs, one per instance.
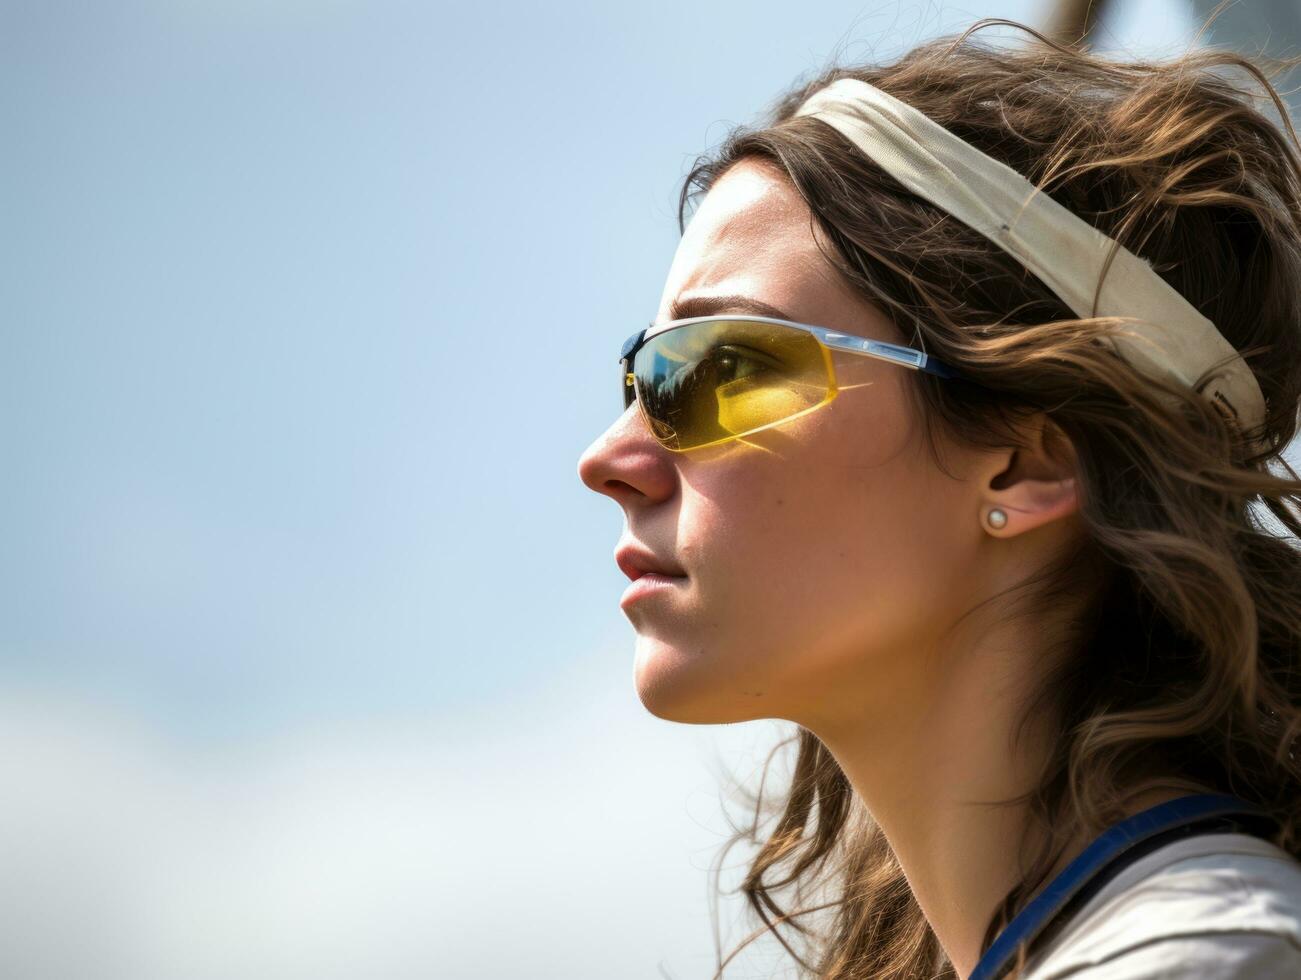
{"points": [[895, 353]]}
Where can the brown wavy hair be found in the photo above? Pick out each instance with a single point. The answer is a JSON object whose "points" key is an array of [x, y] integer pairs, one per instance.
{"points": [[1184, 670]]}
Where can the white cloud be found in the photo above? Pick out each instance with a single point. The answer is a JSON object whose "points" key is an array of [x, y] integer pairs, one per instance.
{"points": [[563, 836]]}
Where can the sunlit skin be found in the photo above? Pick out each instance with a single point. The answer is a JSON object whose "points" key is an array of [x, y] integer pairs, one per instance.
{"points": [[829, 560]]}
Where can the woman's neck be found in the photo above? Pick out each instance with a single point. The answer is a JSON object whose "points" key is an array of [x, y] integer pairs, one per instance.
{"points": [[925, 758]]}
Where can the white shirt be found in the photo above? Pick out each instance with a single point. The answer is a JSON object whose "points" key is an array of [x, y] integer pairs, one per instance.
{"points": [[1222, 906]]}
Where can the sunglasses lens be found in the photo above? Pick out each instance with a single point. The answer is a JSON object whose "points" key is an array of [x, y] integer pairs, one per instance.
{"points": [[710, 381]]}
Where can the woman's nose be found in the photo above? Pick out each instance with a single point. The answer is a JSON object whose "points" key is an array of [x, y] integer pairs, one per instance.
{"points": [[626, 463]]}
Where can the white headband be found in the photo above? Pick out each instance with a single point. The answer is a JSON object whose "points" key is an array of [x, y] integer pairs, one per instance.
{"points": [[1171, 340]]}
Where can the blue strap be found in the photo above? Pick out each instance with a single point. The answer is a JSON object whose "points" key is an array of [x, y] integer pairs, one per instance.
{"points": [[1117, 839]]}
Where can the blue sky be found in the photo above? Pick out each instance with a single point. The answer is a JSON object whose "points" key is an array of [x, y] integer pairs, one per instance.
{"points": [[302, 597]]}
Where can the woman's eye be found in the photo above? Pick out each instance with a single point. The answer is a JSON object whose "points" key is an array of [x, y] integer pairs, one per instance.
{"points": [[735, 362]]}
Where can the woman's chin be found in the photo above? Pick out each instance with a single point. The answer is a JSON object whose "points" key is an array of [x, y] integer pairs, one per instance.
{"points": [[674, 687]]}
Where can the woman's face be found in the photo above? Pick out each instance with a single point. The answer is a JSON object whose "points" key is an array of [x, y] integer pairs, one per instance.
{"points": [[822, 557]]}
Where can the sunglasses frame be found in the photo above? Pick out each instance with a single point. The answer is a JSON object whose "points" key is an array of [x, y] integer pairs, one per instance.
{"points": [[831, 340]]}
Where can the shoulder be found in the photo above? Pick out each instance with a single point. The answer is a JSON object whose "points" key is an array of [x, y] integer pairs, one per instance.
{"points": [[1206, 956], [1216, 906]]}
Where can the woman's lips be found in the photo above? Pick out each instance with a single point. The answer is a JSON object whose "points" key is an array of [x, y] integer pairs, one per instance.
{"points": [[635, 561], [649, 584]]}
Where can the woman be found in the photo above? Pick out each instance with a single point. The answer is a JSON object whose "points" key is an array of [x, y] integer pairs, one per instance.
{"points": [[1006, 567]]}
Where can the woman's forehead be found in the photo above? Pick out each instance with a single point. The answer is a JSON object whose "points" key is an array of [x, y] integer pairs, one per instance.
{"points": [[746, 237], [751, 202]]}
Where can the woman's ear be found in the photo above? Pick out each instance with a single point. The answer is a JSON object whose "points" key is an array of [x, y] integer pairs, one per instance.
{"points": [[1030, 487]]}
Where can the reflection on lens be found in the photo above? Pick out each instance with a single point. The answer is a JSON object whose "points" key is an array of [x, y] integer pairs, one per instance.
{"points": [[710, 381], [745, 405]]}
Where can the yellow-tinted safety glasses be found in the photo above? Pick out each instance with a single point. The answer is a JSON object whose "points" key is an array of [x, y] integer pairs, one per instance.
{"points": [[709, 379]]}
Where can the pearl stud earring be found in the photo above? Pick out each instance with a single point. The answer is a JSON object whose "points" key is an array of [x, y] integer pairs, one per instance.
{"points": [[997, 519]]}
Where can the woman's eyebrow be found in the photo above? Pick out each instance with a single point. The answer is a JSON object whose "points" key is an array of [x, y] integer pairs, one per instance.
{"points": [[685, 307]]}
